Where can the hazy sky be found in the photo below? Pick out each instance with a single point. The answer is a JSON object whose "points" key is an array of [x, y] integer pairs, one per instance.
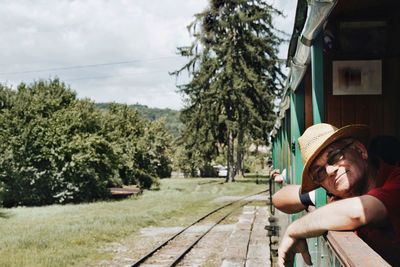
{"points": [[105, 50]]}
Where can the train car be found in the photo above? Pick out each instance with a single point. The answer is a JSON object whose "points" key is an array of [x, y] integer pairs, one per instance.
{"points": [[344, 59]]}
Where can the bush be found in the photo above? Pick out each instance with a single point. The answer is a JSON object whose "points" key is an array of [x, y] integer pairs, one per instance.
{"points": [[58, 149]]}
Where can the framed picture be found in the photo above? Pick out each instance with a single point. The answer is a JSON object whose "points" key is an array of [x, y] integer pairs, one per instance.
{"points": [[357, 77]]}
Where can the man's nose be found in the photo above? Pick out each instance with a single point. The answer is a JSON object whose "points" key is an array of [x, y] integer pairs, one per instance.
{"points": [[331, 169]]}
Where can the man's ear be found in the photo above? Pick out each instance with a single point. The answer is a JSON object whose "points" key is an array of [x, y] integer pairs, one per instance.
{"points": [[361, 149]]}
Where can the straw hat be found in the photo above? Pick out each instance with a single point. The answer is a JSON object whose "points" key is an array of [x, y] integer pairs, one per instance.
{"points": [[319, 136]]}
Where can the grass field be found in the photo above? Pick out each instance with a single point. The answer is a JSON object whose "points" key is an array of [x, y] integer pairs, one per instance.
{"points": [[73, 235]]}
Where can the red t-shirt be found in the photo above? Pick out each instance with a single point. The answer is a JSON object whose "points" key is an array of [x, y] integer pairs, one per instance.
{"points": [[385, 238]]}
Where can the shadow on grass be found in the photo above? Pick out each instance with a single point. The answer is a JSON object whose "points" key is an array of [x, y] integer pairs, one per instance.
{"points": [[154, 189], [255, 175], [252, 181], [5, 214], [211, 182]]}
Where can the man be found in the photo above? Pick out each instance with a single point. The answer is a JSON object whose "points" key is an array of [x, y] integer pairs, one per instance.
{"points": [[337, 160], [383, 150]]}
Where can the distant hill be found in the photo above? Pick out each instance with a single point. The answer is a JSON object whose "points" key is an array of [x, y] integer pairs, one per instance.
{"points": [[171, 116]]}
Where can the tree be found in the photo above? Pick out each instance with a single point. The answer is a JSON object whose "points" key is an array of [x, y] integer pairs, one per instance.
{"points": [[235, 78], [171, 116], [56, 148], [125, 130], [142, 147], [50, 148], [159, 147]]}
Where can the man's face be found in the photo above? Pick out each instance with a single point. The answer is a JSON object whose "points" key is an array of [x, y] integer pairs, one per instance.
{"points": [[341, 168]]}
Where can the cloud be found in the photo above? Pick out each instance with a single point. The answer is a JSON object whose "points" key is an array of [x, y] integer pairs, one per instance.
{"points": [[43, 35]]}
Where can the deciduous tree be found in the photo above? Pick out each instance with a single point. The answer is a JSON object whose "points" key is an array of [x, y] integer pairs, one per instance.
{"points": [[56, 148]]}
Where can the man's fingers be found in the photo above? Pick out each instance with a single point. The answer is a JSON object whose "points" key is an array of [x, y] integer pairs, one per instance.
{"points": [[306, 257], [281, 258], [288, 249], [302, 247], [284, 251], [285, 261], [290, 259], [281, 261]]}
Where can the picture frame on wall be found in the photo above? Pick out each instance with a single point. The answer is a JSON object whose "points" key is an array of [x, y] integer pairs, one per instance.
{"points": [[357, 77]]}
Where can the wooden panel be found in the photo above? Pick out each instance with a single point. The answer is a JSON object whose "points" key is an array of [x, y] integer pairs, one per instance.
{"points": [[359, 8], [362, 109], [333, 103], [308, 100], [380, 112], [348, 110], [376, 113], [333, 110], [391, 108], [352, 251]]}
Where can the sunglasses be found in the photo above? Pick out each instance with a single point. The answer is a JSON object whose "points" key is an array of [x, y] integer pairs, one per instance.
{"points": [[336, 155]]}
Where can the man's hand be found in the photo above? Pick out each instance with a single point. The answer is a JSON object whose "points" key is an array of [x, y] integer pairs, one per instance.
{"points": [[289, 247], [347, 214]]}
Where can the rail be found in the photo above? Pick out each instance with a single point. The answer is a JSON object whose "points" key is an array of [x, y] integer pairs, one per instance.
{"points": [[180, 256], [337, 249], [347, 249]]}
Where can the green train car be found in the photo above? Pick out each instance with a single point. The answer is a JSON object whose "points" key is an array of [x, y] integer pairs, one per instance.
{"points": [[344, 59]]}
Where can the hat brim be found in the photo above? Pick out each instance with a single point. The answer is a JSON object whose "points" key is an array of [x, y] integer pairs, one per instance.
{"points": [[360, 132]]}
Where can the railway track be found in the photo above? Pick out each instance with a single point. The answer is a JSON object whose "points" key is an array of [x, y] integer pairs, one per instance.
{"points": [[173, 250]]}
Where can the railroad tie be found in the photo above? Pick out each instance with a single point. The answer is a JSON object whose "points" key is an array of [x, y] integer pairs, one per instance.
{"points": [[248, 243]]}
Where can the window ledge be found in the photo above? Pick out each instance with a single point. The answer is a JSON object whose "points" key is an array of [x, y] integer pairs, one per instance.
{"points": [[353, 251]]}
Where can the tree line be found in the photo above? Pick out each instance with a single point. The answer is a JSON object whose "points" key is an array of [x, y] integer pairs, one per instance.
{"points": [[171, 116], [56, 148]]}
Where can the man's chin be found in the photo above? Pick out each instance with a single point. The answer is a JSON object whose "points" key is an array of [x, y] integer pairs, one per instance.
{"points": [[343, 190]]}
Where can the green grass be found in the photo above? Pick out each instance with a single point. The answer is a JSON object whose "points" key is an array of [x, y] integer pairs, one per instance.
{"points": [[73, 235]]}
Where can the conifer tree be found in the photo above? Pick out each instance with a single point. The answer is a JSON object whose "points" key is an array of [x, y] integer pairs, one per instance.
{"points": [[235, 77]]}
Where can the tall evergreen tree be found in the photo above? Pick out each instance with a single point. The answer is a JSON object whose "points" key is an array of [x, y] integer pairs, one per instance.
{"points": [[235, 78]]}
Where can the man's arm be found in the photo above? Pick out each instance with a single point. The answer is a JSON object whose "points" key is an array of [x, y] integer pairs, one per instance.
{"points": [[347, 214], [288, 199]]}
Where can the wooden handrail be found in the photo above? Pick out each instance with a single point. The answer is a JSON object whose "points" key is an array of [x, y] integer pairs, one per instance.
{"points": [[352, 251]]}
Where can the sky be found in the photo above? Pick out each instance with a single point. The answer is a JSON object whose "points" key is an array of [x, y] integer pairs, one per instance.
{"points": [[108, 51]]}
